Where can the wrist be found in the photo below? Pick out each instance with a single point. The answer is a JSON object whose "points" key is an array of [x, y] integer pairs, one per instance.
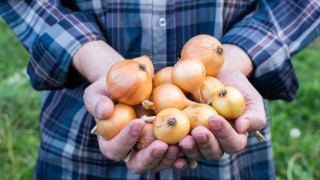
{"points": [[94, 59], [236, 59]]}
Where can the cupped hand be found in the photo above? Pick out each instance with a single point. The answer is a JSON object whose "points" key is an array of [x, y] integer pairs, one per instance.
{"points": [[156, 157], [222, 137]]}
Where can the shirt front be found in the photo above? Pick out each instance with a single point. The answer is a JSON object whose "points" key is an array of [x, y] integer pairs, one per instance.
{"points": [[270, 32]]}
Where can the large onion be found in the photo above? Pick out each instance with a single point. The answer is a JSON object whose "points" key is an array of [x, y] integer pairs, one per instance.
{"points": [[129, 82], [206, 49]]}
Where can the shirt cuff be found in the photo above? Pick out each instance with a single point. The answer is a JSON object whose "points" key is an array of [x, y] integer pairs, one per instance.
{"points": [[273, 74], [50, 64]]}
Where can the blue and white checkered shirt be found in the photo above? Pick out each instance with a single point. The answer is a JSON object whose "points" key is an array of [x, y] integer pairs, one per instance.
{"points": [[52, 31]]}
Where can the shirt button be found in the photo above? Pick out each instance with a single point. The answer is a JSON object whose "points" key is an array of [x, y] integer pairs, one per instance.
{"points": [[162, 22]]}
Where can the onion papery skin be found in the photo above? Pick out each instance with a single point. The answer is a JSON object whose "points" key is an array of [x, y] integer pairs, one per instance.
{"points": [[146, 137], [188, 74], [198, 115], [129, 82], [206, 49], [120, 117], [229, 103], [141, 111], [209, 87], [162, 77], [147, 62], [171, 125], [169, 96]]}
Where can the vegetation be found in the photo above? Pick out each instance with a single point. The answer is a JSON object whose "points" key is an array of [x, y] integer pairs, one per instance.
{"points": [[295, 158]]}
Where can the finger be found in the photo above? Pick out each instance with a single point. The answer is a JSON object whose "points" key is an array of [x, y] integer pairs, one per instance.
{"points": [[254, 117], [180, 164], [207, 143], [168, 159], [230, 141], [188, 145], [147, 158], [118, 147], [97, 101]]}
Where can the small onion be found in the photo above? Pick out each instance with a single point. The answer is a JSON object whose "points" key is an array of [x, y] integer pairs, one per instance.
{"points": [[198, 115], [171, 125], [206, 49], [209, 87], [167, 96], [129, 82], [120, 117], [229, 102], [162, 77], [188, 75], [145, 60]]}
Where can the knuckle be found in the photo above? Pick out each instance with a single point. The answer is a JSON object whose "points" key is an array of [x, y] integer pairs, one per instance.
{"points": [[136, 171], [261, 122], [114, 156], [215, 157], [236, 147]]}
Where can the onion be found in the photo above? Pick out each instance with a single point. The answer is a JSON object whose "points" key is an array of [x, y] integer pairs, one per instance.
{"points": [[209, 87], [120, 117], [229, 102], [146, 137], [171, 125], [206, 49], [188, 75], [145, 60], [167, 96], [129, 82], [162, 77], [198, 115]]}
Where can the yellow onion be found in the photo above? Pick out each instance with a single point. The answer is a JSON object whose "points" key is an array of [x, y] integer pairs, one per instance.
{"points": [[162, 77], [188, 75], [147, 62], [229, 102], [209, 87], [171, 125], [198, 115], [120, 117], [129, 82], [206, 49], [167, 96]]}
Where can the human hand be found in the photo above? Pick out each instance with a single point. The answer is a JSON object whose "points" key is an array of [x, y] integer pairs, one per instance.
{"points": [[222, 136], [156, 157]]}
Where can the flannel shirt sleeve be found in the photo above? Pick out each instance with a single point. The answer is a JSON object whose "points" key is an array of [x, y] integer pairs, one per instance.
{"points": [[52, 34], [270, 35]]}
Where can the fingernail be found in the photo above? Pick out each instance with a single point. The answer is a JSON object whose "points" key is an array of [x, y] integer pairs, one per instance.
{"points": [[158, 152], [100, 109], [216, 124], [201, 138], [136, 129], [245, 125]]}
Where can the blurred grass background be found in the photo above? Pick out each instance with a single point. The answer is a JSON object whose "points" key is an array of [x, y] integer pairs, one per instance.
{"points": [[295, 157]]}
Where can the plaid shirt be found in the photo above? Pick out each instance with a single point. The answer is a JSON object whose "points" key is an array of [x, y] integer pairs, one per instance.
{"points": [[269, 31]]}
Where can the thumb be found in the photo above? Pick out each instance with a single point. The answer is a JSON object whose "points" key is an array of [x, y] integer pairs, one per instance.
{"points": [[97, 101]]}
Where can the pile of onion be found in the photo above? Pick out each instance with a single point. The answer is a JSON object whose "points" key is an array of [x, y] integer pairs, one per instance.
{"points": [[162, 99]]}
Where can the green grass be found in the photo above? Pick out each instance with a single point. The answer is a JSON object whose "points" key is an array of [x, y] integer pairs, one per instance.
{"points": [[19, 110], [302, 113], [295, 158]]}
